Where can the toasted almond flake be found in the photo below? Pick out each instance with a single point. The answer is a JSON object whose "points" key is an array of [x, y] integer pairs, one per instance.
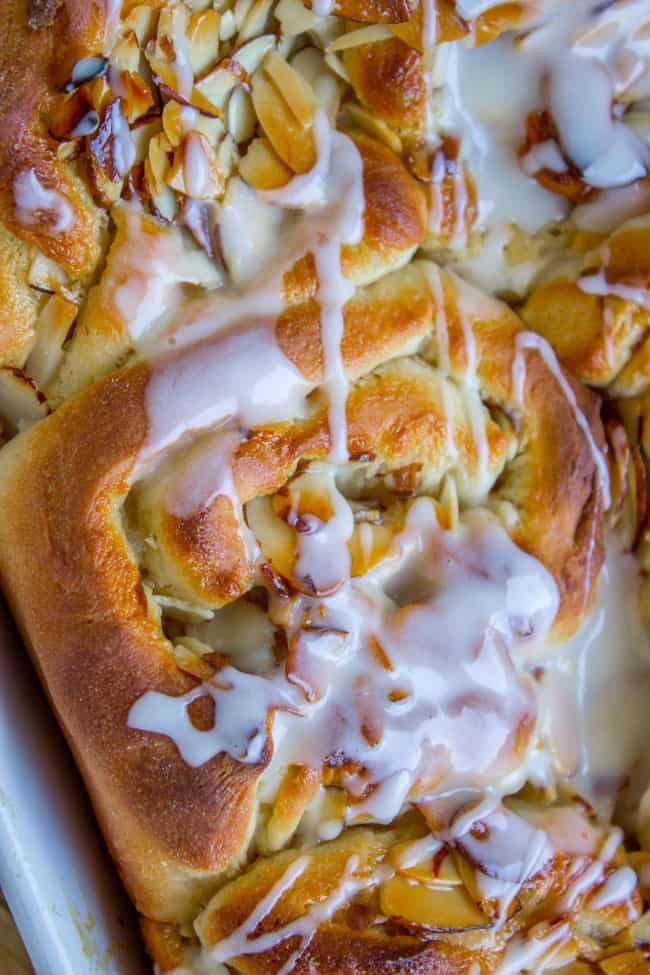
{"points": [[326, 30], [196, 166], [216, 86], [21, 402], [294, 18], [212, 128], [141, 19], [98, 93], [126, 53], [364, 35], [293, 142], [335, 64], [438, 908], [255, 20], [228, 25], [164, 203], [172, 122], [45, 275], [196, 6], [203, 40], [357, 116], [204, 105], [181, 609], [241, 10], [262, 168], [52, 328], [241, 116], [311, 65], [251, 54], [172, 45], [157, 164], [296, 92]]}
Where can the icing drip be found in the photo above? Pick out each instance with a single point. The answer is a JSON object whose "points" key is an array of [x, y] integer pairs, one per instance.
{"points": [[429, 24], [238, 731], [224, 362], [572, 60], [333, 198], [618, 887], [532, 341], [323, 553], [446, 707], [240, 941], [603, 670], [530, 953], [594, 872], [36, 206], [508, 851]]}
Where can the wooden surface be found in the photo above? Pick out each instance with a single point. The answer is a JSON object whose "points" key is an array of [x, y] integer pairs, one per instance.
{"points": [[13, 958]]}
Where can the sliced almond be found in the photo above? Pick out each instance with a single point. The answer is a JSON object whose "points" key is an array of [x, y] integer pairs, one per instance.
{"points": [[276, 540], [203, 40], [262, 168], [21, 402], [158, 164], [297, 93], [364, 35], [294, 17], [293, 142], [251, 54], [142, 133], [298, 788], [126, 53], [375, 127], [241, 116], [228, 25], [45, 275], [141, 19], [437, 870], [627, 963], [256, 19], [436, 908], [216, 86], [182, 609], [241, 10], [52, 327]]}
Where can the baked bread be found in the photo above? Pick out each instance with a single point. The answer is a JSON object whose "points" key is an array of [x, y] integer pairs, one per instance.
{"points": [[312, 436]]}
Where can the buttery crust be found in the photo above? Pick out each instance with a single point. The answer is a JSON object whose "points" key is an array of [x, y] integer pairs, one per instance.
{"points": [[173, 829], [41, 43], [71, 484]]}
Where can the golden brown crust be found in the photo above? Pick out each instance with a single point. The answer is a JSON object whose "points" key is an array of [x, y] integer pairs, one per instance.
{"points": [[41, 43], [18, 302], [173, 828], [388, 78], [431, 365]]}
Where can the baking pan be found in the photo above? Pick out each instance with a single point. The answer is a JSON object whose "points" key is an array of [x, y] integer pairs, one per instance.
{"points": [[56, 874]]}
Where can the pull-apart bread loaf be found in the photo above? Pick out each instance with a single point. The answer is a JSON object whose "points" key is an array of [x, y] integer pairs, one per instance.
{"points": [[324, 384]]}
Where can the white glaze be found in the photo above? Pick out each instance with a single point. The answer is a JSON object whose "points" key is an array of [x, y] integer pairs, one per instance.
{"points": [[238, 730], [333, 198], [525, 952], [603, 670], [240, 943], [323, 554], [618, 887], [461, 709], [36, 206], [241, 374], [196, 167], [574, 62], [534, 342], [143, 282], [122, 146]]}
